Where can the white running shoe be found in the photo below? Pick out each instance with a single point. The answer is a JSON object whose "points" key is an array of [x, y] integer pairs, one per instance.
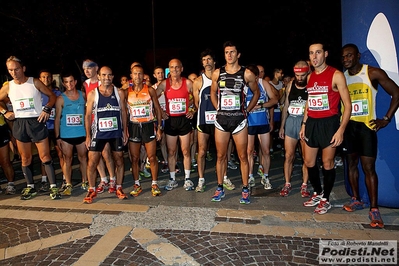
{"points": [[251, 181], [188, 185], [171, 185], [266, 183]]}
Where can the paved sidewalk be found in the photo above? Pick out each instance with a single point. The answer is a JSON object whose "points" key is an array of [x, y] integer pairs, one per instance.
{"points": [[180, 227]]}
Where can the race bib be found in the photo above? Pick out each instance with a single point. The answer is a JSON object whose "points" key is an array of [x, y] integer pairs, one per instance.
{"points": [[74, 120], [360, 108], [25, 104], [52, 114], [318, 102], [210, 117], [177, 107], [108, 124], [140, 111], [296, 109], [230, 102]]}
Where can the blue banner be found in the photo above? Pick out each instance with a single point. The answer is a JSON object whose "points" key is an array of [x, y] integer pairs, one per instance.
{"points": [[374, 27]]}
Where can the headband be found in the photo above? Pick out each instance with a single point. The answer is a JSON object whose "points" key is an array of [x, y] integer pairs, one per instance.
{"points": [[89, 64], [301, 69]]}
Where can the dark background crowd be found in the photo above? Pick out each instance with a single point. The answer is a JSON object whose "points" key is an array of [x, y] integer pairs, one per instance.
{"points": [[61, 34]]}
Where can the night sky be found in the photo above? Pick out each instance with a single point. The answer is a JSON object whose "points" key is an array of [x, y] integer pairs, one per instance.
{"points": [[57, 34]]}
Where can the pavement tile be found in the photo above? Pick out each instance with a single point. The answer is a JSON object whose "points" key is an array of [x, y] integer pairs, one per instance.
{"points": [[180, 228]]}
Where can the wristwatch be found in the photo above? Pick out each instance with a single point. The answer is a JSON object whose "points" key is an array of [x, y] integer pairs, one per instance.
{"points": [[386, 118], [4, 111]]}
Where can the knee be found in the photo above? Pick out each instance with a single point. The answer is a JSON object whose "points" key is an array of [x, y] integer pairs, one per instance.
{"points": [[289, 156], [26, 161], [171, 152], [201, 153], [369, 169], [82, 159], [309, 164], [5, 163], [152, 159], [91, 165], [243, 157], [221, 156], [265, 152], [328, 165], [185, 152], [135, 159], [68, 160], [118, 162]]}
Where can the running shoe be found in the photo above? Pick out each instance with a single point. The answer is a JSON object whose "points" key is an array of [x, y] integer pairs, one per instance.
{"points": [[209, 156], [165, 168], [194, 164], [91, 194], [55, 193], [112, 186], [338, 162], [67, 191], [260, 170], [136, 190], [28, 193], [120, 194], [219, 194], [44, 186], [155, 191], [251, 181], [304, 191], [266, 183], [102, 187], [188, 185], [375, 217], [10, 190], [245, 196], [286, 190], [227, 184], [353, 205], [147, 164], [231, 165], [323, 206], [63, 186], [200, 187], [177, 169], [85, 185], [145, 173], [314, 200], [171, 185]]}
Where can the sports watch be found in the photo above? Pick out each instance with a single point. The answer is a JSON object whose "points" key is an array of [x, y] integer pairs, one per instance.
{"points": [[386, 118]]}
